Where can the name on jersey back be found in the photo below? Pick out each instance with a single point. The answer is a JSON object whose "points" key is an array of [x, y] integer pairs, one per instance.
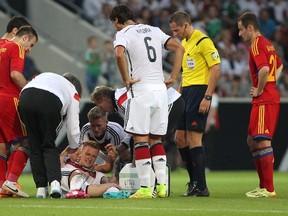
{"points": [[143, 30]]}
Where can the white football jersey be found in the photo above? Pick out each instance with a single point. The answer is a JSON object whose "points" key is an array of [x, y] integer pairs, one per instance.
{"points": [[143, 45], [94, 176], [114, 134]]}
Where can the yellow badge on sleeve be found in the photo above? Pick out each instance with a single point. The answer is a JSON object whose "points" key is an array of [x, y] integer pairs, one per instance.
{"points": [[215, 55]]}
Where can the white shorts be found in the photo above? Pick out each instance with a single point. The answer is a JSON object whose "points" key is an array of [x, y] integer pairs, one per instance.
{"points": [[69, 168], [147, 111]]}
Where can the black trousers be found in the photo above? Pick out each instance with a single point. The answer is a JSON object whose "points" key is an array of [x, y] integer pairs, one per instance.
{"points": [[40, 111]]}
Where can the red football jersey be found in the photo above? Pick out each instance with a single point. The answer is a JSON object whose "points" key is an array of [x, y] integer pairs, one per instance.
{"points": [[2, 41], [12, 57], [263, 53]]}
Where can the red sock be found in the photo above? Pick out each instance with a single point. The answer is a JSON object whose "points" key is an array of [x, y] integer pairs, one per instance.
{"points": [[257, 164], [267, 168], [18, 165], [10, 161], [3, 168], [157, 149], [142, 151]]}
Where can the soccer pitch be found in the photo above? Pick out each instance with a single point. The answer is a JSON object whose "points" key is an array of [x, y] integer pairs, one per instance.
{"points": [[227, 198]]}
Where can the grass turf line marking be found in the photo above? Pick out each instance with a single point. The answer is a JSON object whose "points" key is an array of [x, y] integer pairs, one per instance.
{"points": [[152, 209]]}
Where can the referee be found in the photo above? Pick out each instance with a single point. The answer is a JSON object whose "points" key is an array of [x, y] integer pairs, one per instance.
{"points": [[201, 69]]}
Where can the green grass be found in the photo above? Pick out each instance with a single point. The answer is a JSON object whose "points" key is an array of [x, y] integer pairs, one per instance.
{"points": [[227, 198]]}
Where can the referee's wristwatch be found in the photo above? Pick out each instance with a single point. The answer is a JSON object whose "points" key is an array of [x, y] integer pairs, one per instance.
{"points": [[208, 97]]}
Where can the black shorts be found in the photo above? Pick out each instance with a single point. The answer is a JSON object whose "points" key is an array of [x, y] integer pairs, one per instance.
{"points": [[176, 110], [191, 119]]}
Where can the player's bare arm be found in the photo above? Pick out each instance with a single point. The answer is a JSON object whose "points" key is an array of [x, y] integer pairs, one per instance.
{"points": [[107, 179], [262, 80], [119, 53], [18, 78], [63, 155], [112, 152], [278, 72], [124, 152], [178, 49], [179, 88], [105, 167], [71, 153]]}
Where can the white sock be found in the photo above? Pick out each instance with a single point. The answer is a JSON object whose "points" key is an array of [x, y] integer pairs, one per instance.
{"points": [[159, 165], [143, 167], [112, 189]]}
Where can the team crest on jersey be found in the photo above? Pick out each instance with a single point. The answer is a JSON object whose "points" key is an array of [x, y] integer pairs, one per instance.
{"points": [[215, 55], [190, 63]]}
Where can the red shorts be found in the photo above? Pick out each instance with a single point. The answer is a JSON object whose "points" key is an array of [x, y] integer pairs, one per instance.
{"points": [[263, 120], [11, 128]]}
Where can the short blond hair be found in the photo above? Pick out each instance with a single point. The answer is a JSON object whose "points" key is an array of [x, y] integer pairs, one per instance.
{"points": [[96, 113], [101, 92], [90, 143]]}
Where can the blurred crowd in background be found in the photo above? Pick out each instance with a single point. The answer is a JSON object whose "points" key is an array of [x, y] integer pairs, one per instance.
{"points": [[218, 19]]}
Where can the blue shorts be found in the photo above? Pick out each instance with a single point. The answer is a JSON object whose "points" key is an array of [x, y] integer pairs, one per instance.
{"points": [[191, 119]]}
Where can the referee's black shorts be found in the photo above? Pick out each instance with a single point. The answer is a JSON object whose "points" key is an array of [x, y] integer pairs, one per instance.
{"points": [[191, 119]]}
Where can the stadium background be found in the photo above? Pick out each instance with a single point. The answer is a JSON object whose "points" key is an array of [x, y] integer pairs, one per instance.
{"points": [[61, 46]]}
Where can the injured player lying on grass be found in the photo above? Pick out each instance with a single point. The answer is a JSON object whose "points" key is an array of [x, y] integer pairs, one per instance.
{"points": [[79, 180]]}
